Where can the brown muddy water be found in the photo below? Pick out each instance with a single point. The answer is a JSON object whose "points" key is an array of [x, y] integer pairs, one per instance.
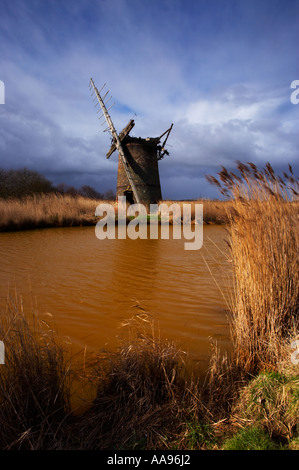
{"points": [[91, 286]]}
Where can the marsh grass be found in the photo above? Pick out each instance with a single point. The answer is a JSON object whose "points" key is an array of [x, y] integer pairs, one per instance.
{"points": [[34, 383], [214, 211], [142, 391], [57, 210], [47, 210], [255, 387], [144, 396], [264, 248]]}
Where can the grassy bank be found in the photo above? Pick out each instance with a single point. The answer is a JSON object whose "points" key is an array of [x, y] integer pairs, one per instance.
{"points": [[144, 397], [214, 211], [47, 210], [144, 394], [256, 388], [56, 210], [264, 240]]}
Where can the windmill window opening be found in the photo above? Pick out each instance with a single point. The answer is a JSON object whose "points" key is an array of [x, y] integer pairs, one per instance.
{"points": [[129, 196]]}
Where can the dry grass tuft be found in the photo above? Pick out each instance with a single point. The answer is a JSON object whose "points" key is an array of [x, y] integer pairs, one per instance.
{"points": [[143, 391], [34, 384]]}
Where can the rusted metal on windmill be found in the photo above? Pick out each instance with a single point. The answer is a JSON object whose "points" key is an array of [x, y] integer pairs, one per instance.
{"points": [[138, 172]]}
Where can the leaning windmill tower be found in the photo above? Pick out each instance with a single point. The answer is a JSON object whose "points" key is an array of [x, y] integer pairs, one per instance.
{"points": [[138, 172]]}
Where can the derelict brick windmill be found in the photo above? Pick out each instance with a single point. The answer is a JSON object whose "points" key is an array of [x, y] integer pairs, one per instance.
{"points": [[138, 172]]}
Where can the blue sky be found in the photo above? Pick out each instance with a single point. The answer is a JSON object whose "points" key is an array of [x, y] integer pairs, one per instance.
{"points": [[220, 70]]}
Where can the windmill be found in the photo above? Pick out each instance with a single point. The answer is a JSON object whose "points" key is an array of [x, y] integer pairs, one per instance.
{"points": [[138, 173]]}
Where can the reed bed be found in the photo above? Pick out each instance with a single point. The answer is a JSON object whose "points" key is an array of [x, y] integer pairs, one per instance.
{"points": [[143, 390], [214, 211], [144, 396], [144, 393], [263, 227], [34, 383], [47, 210], [57, 210], [254, 390]]}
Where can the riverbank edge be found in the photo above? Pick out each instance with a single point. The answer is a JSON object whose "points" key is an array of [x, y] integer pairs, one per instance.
{"points": [[145, 397], [15, 227], [47, 211]]}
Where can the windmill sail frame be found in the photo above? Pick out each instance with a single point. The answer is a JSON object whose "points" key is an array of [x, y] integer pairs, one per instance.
{"points": [[116, 138], [138, 173]]}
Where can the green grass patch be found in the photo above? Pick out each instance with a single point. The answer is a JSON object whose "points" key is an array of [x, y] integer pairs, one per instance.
{"points": [[200, 435], [294, 443], [253, 438], [271, 400]]}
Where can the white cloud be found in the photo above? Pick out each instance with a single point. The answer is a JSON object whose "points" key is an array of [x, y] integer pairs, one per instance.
{"points": [[232, 105]]}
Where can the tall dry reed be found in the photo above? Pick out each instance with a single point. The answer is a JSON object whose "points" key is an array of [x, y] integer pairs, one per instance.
{"points": [[214, 211], [57, 210], [34, 384], [264, 248], [142, 390], [47, 210]]}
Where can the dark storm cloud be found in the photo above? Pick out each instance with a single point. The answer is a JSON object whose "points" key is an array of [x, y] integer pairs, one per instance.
{"points": [[220, 71]]}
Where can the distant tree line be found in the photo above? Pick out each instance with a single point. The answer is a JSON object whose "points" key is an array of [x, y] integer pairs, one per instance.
{"points": [[24, 182]]}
